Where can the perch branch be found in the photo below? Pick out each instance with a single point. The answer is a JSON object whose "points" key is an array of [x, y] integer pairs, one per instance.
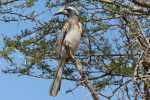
{"points": [[82, 74]]}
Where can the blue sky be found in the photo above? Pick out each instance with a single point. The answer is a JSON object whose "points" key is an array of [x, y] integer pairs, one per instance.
{"points": [[13, 87]]}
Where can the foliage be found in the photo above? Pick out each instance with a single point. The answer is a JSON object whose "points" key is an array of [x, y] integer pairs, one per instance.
{"points": [[108, 50]]}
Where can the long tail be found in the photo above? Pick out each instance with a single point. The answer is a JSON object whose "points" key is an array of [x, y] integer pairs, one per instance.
{"points": [[55, 87]]}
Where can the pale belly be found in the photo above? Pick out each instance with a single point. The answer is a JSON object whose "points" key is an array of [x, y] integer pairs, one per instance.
{"points": [[73, 41]]}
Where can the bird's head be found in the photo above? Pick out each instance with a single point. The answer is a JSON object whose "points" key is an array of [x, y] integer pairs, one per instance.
{"points": [[69, 11]]}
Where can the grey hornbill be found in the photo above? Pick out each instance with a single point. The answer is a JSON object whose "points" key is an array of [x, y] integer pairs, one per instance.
{"points": [[71, 34]]}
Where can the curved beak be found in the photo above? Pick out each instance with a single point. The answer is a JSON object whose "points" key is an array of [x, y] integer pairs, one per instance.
{"points": [[61, 11]]}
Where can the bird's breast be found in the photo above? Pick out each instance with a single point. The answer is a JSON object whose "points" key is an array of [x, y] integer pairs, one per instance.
{"points": [[73, 37]]}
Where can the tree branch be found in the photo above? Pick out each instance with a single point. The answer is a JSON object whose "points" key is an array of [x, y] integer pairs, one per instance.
{"points": [[141, 3], [7, 2], [132, 9], [145, 61], [82, 74]]}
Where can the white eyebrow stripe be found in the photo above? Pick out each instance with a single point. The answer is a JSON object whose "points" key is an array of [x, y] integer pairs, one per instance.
{"points": [[72, 8]]}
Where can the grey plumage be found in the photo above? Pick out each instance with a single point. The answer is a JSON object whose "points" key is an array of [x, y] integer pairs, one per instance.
{"points": [[57, 79], [71, 34]]}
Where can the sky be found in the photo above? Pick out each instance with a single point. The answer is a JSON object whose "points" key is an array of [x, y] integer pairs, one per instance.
{"points": [[13, 87]]}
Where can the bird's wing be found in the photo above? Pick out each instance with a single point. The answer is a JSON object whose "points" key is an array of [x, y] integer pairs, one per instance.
{"points": [[63, 34], [67, 27]]}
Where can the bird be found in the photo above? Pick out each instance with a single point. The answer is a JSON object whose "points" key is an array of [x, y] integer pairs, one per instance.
{"points": [[70, 36]]}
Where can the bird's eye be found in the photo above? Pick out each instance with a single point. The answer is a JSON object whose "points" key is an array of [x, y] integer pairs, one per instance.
{"points": [[69, 10]]}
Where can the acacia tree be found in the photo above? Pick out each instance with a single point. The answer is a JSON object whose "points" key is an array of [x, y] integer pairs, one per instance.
{"points": [[114, 49]]}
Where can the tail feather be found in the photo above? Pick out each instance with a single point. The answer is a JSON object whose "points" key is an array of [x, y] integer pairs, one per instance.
{"points": [[55, 87]]}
